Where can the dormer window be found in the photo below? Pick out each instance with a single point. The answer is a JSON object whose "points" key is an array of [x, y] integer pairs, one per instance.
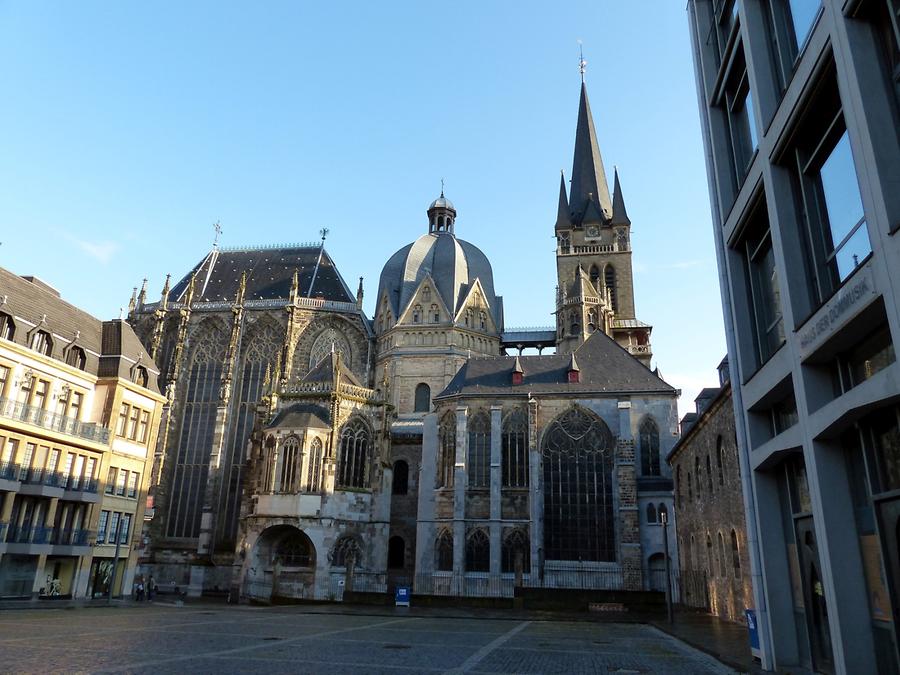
{"points": [[76, 358], [7, 327], [42, 343], [141, 376]]}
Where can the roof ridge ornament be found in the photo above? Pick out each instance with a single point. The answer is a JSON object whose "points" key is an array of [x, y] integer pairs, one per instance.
{"points": [[582, 64]]}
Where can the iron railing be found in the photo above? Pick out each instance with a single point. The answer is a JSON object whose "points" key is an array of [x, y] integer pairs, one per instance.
{"points": [[9, 471], [39, 476], [32, 534], [49, 420]]}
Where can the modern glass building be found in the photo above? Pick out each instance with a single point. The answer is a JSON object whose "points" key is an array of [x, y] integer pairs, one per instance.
{"points": [[799, 105]]}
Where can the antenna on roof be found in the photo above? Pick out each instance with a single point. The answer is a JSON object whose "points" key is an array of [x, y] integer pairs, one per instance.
{"points": [[582, 64], [324, 232], [218, 228]]}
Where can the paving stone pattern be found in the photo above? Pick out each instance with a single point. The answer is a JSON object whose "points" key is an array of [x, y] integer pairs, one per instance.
{"points": [[156, 639]]}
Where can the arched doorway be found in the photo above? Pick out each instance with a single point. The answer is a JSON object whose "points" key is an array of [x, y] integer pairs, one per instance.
{"points": [[283, 565]]}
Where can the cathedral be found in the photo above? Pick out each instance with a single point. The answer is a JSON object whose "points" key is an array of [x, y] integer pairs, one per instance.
{"points": [[306, 446]]}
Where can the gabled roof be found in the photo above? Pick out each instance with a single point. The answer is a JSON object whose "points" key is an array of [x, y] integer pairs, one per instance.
{"points": [[302, 416], [270, 272], [604, 368], [325, 369]]}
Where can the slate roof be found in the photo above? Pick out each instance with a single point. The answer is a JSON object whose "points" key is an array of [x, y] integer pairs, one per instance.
{"points": [[111, 347], [605, 368], [323, 371], [589, 192], [454, 265], [302, 416], [270, 273]]}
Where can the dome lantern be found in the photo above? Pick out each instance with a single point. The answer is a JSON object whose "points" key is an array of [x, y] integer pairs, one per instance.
{"points": [[441, 215]]}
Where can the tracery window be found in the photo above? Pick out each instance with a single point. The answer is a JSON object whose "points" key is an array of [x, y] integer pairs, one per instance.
{"points": [[609, 277], [422, 398], [290, 454], [574, 324], [353, 466], [482, 320], [443, 551], [690, 488], [579, 523], [295, 550], [478, 552], [314, 471], [478, 462], [649, 442], [514, 454], [346, 552], [447, 450], [199, 405], [327, 341], [516, 549]]}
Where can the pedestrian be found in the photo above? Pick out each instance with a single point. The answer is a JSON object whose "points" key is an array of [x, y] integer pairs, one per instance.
{"points": [[140, 591], [151, 588]]}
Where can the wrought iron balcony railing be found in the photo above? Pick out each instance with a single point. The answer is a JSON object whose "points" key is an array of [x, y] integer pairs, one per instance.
{"points": [[32, 534], [49, 420]]}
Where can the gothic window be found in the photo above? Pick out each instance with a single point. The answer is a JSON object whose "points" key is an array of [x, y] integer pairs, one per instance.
{"points": [[417, 314], [294, 550], [42, 343], [651, 513], [422, 398], [200, 401], [649, 441], [592, 320], [290, 454], [595, 275], [482, 320], [314, 471], [478, 462], [678, 486], [690, 488], [514, 455], [447, 450], [443, 552], [353, 469], [709, 556], [621, 240], [478, 552], [723, 570], [77, 359], [400, 485], [269, 468], [327, 341], [435, 314], [609, 278], [577, 454], [469, 318], [720, 464], [7, 327], [396, 553], [346, 553], [260, 346], [574, 324], [692, 553], [426, 294], [698, 472], [735, 555], [709, 475], [663, 512], [516, 550]]}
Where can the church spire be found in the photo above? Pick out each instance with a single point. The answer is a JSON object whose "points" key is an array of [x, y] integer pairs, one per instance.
{"points": [[589, 184], [563, 219], [619, 214]]}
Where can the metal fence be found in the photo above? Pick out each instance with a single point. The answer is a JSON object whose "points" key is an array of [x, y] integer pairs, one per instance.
{"points": [[50, 420]]}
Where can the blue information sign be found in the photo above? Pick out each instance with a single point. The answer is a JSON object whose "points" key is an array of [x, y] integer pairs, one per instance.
{"points": [[401, 597]]}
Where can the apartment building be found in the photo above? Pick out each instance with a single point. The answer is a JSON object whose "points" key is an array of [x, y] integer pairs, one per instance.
{"points": [[799, 104], [79, 409]]}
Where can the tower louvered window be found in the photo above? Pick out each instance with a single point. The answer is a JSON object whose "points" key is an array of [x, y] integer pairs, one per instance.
{"points": [[609, 278]]}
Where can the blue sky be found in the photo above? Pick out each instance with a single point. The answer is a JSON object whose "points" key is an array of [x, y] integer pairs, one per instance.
{"points": [[128, 129]]}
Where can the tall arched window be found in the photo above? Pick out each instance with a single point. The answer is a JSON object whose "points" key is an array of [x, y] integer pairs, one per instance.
{"points": [[651, 513], [663, 513], [314, 470], [709, 556], [290, 472], [478, 462], [709, 475], [443, 551], [294, 550], [649, 441], [698, 472], [720, 461], [609, 278], [692, 553], [400, 485], [595, 275], [514, 453], [678, 495], [353, 466], [447, 450], [396, 553], [690, 488], [579, 523], [422, 398], [735, 555], [516, 550], [478, 552], [346, 552]]}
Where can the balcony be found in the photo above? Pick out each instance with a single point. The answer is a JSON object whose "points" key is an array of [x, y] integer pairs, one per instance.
{"points": [[47, 420], [9, 471], [64, 541], [42, 482]]}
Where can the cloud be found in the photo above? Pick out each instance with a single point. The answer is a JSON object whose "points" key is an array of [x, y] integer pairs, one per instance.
{"points": [[101, 251]]}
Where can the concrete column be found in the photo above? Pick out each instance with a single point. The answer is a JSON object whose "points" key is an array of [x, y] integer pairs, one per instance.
{"points": [[459, 490], [424, 559], [496, 484], [630, 551], [39, 581], [535, 492]]}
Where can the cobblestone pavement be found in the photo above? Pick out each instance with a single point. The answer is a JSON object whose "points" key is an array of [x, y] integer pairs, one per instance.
{"points": [[157, 639]]}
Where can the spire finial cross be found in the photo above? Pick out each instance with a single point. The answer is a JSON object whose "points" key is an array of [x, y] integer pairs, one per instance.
{"points": [[582, 64], [324, 232], [218, 229], [442, 187]]}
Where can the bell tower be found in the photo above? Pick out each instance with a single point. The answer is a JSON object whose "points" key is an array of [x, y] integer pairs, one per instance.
{"points": [[595, 288]]}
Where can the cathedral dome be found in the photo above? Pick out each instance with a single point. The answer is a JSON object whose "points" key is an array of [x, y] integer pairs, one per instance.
{"points": [[442, 203], [452, 263]]}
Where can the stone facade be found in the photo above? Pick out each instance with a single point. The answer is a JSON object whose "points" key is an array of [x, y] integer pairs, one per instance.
{"points": [[710, 519]]}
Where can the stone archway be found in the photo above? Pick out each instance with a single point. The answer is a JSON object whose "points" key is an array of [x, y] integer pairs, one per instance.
{"points": [[282, 565]]}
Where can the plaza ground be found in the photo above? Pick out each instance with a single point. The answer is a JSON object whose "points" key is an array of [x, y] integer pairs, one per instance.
{"points": [[310, 639]]}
